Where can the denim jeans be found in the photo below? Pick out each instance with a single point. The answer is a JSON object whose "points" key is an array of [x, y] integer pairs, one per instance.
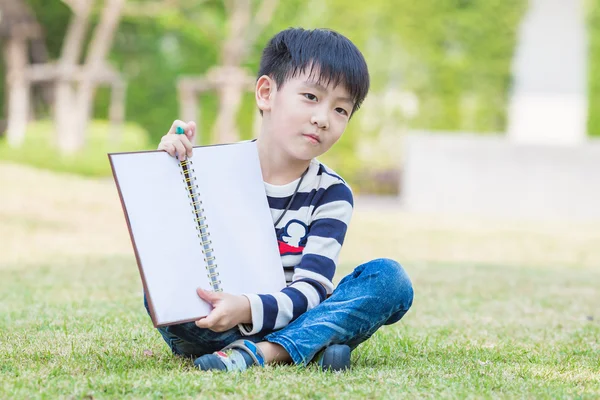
{"points": [[376, 293]]}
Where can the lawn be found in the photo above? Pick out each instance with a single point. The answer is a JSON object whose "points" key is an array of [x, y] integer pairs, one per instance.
{"points": [[502, 308]]}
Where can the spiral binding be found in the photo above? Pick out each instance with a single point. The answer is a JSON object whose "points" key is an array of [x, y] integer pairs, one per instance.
{"points": [[201, 225]]}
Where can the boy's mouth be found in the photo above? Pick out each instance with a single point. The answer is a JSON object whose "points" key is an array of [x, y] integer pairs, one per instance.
{"points": [[312, 138]]}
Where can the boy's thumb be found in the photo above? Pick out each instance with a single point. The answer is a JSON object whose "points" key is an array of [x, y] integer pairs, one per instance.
{"points": [[206, 295]]}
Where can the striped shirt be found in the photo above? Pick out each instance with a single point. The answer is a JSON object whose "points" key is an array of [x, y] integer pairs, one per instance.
{"points": [[310, 237]]}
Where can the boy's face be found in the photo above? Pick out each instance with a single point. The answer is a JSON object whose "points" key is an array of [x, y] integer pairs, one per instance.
{"points": [[303, 117]]}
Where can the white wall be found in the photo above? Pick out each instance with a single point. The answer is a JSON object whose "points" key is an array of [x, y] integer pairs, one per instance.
{"points": [[548, 102], [479, 174]]}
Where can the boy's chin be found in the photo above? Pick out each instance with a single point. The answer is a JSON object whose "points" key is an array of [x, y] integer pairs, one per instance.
{"points": [[303, 153]]}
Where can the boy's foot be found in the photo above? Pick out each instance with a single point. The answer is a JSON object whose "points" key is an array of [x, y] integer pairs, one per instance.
{"points": [[238, 356], [334, 358]]}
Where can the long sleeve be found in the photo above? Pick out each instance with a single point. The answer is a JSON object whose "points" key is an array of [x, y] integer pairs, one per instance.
{"points": [[313, 275]]}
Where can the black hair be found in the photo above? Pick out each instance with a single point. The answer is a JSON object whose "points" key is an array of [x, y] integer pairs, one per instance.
{"points": [[337, 60]]}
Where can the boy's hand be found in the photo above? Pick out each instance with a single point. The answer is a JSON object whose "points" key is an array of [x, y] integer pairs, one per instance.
{"points": [[229, 311], [181, 144]]}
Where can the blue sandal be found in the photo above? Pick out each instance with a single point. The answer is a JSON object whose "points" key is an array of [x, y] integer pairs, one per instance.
{"points": [[237, 356]]}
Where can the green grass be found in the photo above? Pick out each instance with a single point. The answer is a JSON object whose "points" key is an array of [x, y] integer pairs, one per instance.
{"points": [[502, 309], [39, 148], [78, 328]]}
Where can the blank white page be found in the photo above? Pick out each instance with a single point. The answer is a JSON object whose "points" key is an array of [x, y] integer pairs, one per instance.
{"points": [[239, 219], [164, 234]]}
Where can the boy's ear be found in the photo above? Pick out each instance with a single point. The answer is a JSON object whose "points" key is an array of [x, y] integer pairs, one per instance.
{"points": [[265, 87]]}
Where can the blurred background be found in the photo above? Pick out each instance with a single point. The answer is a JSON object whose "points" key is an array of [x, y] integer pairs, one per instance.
{"points": [[474, 162], [480, 112]]}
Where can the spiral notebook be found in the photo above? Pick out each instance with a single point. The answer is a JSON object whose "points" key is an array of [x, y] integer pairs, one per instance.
{"points": [[204, 222]]}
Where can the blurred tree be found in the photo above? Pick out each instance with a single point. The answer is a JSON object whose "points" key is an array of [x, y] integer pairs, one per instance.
{"points": [[456, 66], [156, 48], [229, 79], [74, 84], [159, 41], [18, 29], [75, 93]]}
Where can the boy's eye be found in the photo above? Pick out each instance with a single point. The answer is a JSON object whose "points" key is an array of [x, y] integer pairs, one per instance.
{"points": [[341, 111], [310, 96]]}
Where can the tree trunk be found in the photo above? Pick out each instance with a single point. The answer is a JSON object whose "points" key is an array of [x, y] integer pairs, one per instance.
{"points": [[116, 112], [240, 14], [188, 109], [230, 97], [99, 47], [42, 93], [243, 31], [65, 123], [15, 56]]}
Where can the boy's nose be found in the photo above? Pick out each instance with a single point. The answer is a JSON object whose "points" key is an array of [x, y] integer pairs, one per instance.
{"points": [[321, 121]]}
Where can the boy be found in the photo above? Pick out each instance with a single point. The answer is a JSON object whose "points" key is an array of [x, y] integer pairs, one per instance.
{"points": [[309, 85]]}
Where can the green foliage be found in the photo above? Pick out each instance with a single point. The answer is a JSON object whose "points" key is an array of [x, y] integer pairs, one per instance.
{"points": [[440, 51], [460, 51], [453, 55], [54, 16], [457, 66], [593, 126], [153, 53], [39, 148]]}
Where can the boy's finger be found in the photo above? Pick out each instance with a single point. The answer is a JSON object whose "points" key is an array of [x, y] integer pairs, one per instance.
{"points": [[180, 148], [177, 123], [209, 321], [187, 144], [204, 323], [190, 132], [169, 148]]}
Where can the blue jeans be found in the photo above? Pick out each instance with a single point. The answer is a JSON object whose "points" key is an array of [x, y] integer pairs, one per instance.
{"points": [[376, 293]]}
